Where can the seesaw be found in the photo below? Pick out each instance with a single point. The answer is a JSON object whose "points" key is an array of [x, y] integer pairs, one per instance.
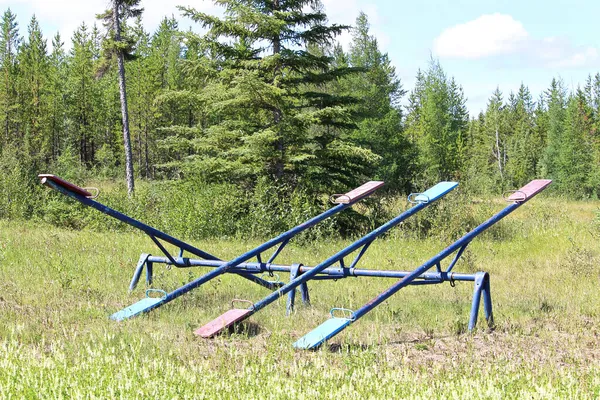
{"points": [[240, 265], [335, 325], [299, 277], [300, 274], [149, 303]]}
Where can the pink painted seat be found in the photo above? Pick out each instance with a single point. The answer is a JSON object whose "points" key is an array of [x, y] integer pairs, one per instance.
{"points": [[357, 193], [529, 190], [215, 326], [67, 185]]}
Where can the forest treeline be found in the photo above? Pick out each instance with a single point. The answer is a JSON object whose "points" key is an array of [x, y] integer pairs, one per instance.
{"points": [[264, 110]]}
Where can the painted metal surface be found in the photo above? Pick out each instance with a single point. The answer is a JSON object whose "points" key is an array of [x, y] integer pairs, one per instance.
{"points": [[322, 333], [153, 233], [435, 192], [457, 245], [130, 221], [358, 193], [145, 305], [367, 239], [481, 289], [229, 318], [140, 306], [334, 273], [67, 185], [530, 190]]}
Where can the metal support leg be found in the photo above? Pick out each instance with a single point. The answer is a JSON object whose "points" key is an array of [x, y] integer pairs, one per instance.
{"points": [[304, 292], [487, 301], [481, 281], [294, 272], [149, 271], [138, 271]]}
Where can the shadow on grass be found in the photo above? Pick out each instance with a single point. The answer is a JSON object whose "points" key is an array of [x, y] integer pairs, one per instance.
{"points": [[246, 328]]}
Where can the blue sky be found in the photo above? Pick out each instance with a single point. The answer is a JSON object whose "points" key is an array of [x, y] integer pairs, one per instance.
{"points": [[483, 44]]}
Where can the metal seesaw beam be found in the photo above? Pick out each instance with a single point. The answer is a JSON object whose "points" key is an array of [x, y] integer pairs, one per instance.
{"points": [[236, 315], [83, 196], [333, 273], [151, 303], [335, 325]]}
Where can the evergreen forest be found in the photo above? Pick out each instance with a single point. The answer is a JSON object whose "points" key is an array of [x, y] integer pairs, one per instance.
{"points": [[246, 124]]}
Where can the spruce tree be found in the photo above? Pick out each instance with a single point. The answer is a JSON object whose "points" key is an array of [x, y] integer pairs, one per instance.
{"points": [[378, 92], [33, 72], [119, 46], [556, 100], [276, 118], [9, 45]]}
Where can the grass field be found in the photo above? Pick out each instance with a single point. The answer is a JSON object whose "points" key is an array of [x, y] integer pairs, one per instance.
{"points": [[57, 288]]}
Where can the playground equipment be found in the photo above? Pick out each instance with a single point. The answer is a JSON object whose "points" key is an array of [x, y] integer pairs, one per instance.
{"points": [[149, 303], [335, 325], [299, 273], [234, 315]]}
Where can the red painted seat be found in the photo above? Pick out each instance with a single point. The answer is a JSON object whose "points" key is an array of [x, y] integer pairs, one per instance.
{"points": [[358, 193], [529, 190], [224, 321], [67, 185]]}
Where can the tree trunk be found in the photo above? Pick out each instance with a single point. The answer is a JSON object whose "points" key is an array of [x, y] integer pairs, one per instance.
{"points": [[279, 145], [123, 96], [499, 154]]}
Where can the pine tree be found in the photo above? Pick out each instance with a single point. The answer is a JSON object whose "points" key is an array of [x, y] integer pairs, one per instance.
{"points": [[556, 100], [57, 93], [81, 95], [575, 153], [144, 89], [378, 92], [480, 167], [497, 133], [33, 71], [437, 122], [9, 45], [594, 105], [276, 117], [120, 46], [525, 146]]}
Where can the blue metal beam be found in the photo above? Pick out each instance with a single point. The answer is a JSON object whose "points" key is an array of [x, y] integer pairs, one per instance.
{"points": [[150, 231], [329, 329], [144, 305], [428, 197]]}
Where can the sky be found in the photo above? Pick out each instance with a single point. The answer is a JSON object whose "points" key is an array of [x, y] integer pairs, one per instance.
{"points": [[483, 44]]}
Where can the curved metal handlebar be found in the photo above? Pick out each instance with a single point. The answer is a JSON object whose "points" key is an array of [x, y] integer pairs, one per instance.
{"points": [[343, 310], [93, 189], [148, 291], [412, 198], [506, 195], [242, 301]]}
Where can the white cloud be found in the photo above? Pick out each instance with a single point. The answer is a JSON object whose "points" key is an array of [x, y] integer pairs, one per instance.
{"points": [[485, 36], [496, 36]]}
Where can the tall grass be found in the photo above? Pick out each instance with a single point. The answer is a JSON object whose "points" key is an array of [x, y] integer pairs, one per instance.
{"points": [[57, 287]]}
